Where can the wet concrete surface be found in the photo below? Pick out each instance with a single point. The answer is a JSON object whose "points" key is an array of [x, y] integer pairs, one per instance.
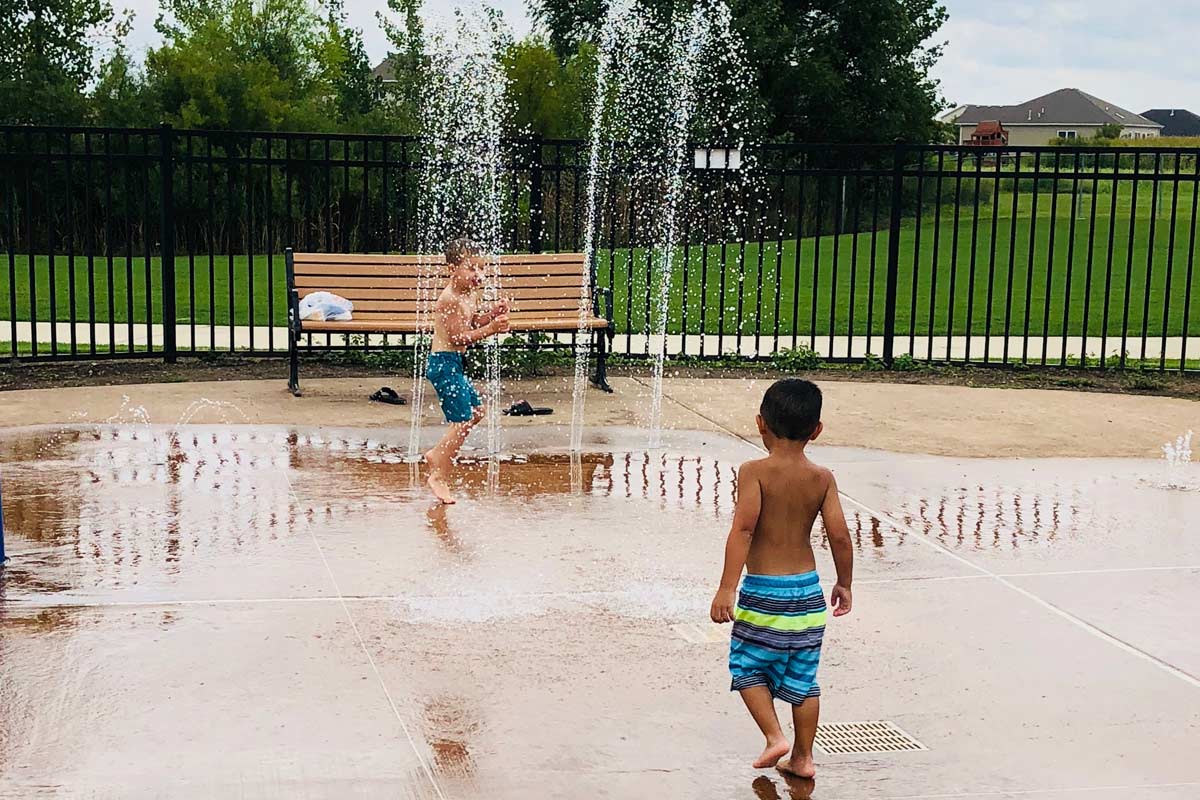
{"points": [[215, 611], [904, 418]]}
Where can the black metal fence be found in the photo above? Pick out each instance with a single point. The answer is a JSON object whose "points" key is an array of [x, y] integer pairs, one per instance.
{"points": [[161, 242]]}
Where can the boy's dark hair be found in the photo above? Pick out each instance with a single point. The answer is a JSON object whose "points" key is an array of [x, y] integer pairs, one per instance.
{"points": [[791, 409], [458, 250]]}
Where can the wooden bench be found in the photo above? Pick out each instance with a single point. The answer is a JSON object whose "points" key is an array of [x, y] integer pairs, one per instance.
{"points": [[544, 291]]}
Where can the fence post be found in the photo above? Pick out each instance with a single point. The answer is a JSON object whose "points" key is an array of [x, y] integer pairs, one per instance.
{"points": [[2, 556], [535, 197], [893, 262], [166, 155]]}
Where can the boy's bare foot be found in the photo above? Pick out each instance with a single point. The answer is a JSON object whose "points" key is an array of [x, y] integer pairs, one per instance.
{"points": [[774, 751], [436, 483], [800, 767], [440, 490]]}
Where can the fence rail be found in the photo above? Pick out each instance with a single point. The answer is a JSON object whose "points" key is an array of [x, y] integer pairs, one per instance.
{"points": [[131, 243]]}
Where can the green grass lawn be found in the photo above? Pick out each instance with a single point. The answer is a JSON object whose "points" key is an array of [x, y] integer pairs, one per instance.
{"points": [[780, 286], [949, 294]]}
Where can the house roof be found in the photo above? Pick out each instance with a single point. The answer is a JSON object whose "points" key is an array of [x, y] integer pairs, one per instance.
{"points": [[1064, 107], [384, 71], [1175, 121]]}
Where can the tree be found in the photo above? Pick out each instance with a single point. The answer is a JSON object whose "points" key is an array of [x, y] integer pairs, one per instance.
{"points": [[408, 64], [259, 65], [825, 70], [47, 58], [568, 22], [348, 70], [549, 97], [121, 97]]}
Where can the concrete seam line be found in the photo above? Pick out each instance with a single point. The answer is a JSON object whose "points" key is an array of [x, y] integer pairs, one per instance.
{"points": [[1068, 616], [363, 644], [1079, 622]]}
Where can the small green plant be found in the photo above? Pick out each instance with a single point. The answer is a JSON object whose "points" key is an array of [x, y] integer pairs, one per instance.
{"points": [[521, 357], [398, 360], [872, 363], [905, 363], [1144, 382], [1074, 383], [799, 359]]}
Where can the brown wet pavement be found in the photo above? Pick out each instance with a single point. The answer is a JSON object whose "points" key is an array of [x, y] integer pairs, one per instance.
{"points": [[906, 418], [263, 611]]}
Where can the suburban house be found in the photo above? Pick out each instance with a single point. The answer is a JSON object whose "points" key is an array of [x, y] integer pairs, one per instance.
{"points": [[1175, 121], [1065, 114], [384, 71]]}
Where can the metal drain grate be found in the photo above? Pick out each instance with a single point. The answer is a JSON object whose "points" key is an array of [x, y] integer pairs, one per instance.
{"points": [[843, 738], [702, 633]]}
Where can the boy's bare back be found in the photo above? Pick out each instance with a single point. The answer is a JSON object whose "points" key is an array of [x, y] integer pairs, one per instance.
{"points": [[789, 491], [779, 615]]}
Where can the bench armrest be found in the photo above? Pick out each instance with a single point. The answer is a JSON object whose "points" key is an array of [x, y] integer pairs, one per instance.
{"points": [[293, 297], [607, 294]]}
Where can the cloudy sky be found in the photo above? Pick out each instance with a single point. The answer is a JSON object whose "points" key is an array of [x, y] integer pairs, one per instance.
{"points": [[998, 53], [1003, 53]]}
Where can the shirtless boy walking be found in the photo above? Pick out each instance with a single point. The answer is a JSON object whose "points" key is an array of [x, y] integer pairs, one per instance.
{"points": [[779, 615]]}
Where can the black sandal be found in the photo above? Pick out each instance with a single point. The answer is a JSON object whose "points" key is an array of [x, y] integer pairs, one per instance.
{"points": [[388, 395], [523, 409]]}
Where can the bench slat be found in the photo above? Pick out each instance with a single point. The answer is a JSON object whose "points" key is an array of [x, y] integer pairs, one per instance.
{"points": [[416, 271], [538, 292], [384, 270], [508, 285], [402, 307], [515, 293], [523, 325], [380, 258]]}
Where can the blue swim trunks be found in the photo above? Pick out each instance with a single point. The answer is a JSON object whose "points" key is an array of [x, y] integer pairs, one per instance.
{"points": [[458, 397], [778, 627]]}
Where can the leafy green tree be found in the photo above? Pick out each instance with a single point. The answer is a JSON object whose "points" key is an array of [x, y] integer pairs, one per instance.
{"points": [[47, 58], [260, 65], [569, 22], [549, 97], [121, 97], [348, 70], [825, 70], [408, 65]]}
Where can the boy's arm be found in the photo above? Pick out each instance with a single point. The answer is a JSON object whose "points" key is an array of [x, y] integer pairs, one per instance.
{"points": [[459, 332], [484, 317], [737, 546], [841, 546]]}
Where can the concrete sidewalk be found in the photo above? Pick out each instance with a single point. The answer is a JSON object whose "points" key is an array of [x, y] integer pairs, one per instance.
{"points": [[936, 348], [945, 420]]}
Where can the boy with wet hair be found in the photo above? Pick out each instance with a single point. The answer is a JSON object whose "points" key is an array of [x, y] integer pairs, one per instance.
{"points": [[779, 615], [458, 322]]}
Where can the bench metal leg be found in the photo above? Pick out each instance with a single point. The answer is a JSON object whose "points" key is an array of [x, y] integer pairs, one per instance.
{"points": [[294, 363], [600, 380]]}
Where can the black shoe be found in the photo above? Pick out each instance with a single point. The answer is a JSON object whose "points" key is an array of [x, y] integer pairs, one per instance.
{"points": [[388, 395]]}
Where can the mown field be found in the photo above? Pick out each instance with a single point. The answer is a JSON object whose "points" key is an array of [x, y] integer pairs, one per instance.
{"points": [[1060, 270]]}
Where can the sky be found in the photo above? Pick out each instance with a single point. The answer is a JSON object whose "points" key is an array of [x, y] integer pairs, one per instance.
{"points": [[1008, 52], [997, 53], [361, 15]]}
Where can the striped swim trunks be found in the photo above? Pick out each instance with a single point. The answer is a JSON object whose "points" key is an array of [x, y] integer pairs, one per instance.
{"points": [[778, 627]]}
